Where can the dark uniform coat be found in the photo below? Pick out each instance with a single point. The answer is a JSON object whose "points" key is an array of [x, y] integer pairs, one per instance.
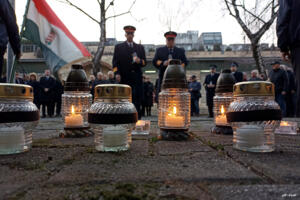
{"points": [[161, 55], [148, 94], [131, 73], [239, 76], [49, 83], [210, 92], [9, 30]]}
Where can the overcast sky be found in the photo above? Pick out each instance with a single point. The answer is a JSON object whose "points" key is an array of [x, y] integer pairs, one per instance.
{"points": [[149, 17]]}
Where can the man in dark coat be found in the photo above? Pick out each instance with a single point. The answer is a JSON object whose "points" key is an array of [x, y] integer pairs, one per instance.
{"points": [[255, 76], [18, 79], [210, 87], [128, 60], [239, 76], [58, 91], [36, 89], [164, 54], [194, 89], [280, 79], [148, 96], [111, 77], [9, 31], [99, 81], [289, 38], [47, 84]]}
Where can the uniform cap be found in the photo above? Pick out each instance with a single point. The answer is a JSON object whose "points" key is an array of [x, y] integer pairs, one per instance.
{"points": [[213, 66], [129, 28], [234, 64], [170, 34]]}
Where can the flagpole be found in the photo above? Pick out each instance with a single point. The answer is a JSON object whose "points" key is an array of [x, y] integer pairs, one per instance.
{"points": [[11, 74]]}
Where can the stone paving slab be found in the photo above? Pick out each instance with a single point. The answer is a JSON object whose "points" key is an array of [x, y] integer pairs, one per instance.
{"points": [[205, 167], [255, 192]]}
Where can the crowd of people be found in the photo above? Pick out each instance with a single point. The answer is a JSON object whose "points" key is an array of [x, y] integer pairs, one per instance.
{"points": [[281, 76], [48, 90]]}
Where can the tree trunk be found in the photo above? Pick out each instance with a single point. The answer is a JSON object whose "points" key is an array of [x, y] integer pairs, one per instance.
{"points": [[256, 52], [100, 50]]}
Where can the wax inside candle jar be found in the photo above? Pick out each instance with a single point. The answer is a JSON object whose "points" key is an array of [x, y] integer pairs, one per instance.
{"points": [[114, 136], [174, 120], [12, 139], [73, 120], [251, 135]]}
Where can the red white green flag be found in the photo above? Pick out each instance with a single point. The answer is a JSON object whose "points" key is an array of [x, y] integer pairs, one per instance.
{"points": [[44, 28]]}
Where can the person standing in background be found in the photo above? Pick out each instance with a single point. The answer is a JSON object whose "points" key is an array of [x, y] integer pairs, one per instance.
{"points": [[91, 82], [118, 79], [164, 54], [128, 60], [254, 75], [9, 32], [239, 76], [288, 34], [47, 84], [111, 77], [194, 89], [33, 82], [148, 96], [58, 91], [18, 79], [280, 79], [210, 87]]}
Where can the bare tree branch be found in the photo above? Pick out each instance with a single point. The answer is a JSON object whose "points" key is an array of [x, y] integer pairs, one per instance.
{"points": [[110, 4], [79, 9], [124, 13]]}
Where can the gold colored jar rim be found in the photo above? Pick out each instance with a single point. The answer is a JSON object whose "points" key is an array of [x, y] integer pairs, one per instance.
{"points": [[15, 91], [253, 88], [112, 91]]}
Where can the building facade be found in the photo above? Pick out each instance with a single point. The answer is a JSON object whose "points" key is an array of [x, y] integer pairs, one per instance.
{"points": [[211, 41]]}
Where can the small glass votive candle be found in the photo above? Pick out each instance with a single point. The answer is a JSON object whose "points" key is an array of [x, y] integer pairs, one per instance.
{"points": [[18, 117], [254, 115], [112, 117], [142, 127], [287, 128]]}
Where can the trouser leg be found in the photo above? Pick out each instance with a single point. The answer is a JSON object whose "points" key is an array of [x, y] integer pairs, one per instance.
{"points": [[44, 109], [2, 51], [280, 99], [296, 66], [58, 107]]}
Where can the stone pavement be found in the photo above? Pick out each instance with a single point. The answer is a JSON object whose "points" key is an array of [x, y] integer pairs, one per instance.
{"points": [[206, 167]]}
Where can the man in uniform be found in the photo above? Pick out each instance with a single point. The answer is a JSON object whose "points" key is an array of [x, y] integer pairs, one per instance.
{"points": [[128, 60], [164, 54], [239, 76], [210, 87]]}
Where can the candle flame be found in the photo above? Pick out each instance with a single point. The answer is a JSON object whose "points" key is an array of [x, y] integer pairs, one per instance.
{"points": [[72, 110], [284, 123], [174, 110], [222, 110]]}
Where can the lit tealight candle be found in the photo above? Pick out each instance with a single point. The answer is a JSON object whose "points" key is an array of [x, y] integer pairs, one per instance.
{"points": [[73, 120], [173, 120], [221, 119]]}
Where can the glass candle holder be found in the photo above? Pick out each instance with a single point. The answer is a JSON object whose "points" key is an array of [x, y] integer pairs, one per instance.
{"points": [[76, 99], [174, 112], [112, 117], [174, 109], [18, 117], [222, 100], [254, 116]]}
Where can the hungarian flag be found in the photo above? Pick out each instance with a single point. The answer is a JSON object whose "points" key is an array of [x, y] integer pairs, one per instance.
{"points": [[46, 30]]}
